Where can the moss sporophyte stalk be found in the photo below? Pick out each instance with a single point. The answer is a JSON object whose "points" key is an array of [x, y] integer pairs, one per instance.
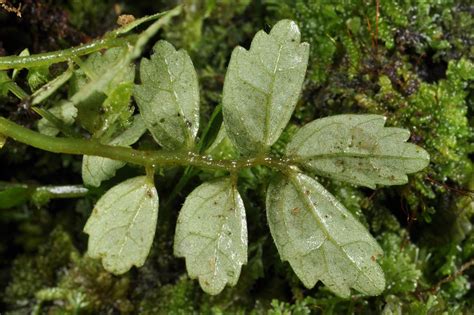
{"points": [[312, 230]]}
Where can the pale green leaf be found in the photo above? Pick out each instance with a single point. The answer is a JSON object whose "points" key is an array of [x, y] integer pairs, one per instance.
{"points": [[168, 97], [122, 225], [320, 238], [357, 149], [96, 169], [13, 194], [131, 134], [262, 86], [211, 234], [37, 76], [52, 86], [116, 111], [66, 112], [113, 60], [107, 76]]}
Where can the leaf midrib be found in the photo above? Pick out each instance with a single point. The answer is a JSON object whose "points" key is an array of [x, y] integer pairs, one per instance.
{"points": [[298, 186], [269, 97], [188, 141], [353, 155]]}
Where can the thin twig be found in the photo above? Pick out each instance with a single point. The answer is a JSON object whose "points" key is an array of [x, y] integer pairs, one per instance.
{"points": [[453, 276]]}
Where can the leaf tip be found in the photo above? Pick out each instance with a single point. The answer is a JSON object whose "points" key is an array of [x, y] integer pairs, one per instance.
{"points": [[285, 30]]}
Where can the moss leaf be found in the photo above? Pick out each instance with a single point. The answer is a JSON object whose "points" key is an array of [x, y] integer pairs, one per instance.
{"points": [[122, 225], [357, 149], [212, 235], [262, 86], [320, 238]]}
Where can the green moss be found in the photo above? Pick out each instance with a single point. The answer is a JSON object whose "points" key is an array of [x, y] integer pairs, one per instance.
{"points": [[399, 264], [89, 15], [29, 275], [58, 279], [176, 298]]}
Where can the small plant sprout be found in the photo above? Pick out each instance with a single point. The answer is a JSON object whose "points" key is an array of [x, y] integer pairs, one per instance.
{"points": [[312, 230]]}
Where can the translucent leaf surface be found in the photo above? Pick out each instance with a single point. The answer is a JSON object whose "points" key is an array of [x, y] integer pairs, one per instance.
{"points": [[66, 112], [116, 111], [12, 195], [168, 97], [96, 169], [122, 225], [321, 239], [99, 64], [357, 149], [211, 234], [262, 86], [101, 84], [52, 86]]}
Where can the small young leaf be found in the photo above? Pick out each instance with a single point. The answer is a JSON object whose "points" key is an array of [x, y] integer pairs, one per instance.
{"points": [[98, 64], [262, 86], [122, 225], [12, 195], [96, 169], [357, 149], [211, 234], [321, 239], [52, 86], [37, 76], [168, 97], [66, 112], [116, 110], [100, 80]]}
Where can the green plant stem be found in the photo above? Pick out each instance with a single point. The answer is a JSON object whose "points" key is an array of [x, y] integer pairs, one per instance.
{"points": [[16, 90], [19, 62], [144, 158], [52, 86], [190, 172], [110, 40], [61, 192]]}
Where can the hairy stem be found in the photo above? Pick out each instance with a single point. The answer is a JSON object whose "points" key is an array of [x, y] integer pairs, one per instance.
{"points": [[19, 62], [109, 41], [145, 158]]}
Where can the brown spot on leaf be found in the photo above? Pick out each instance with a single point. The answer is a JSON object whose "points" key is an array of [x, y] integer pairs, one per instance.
{"points": [[295, 211], [149, 193]]}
